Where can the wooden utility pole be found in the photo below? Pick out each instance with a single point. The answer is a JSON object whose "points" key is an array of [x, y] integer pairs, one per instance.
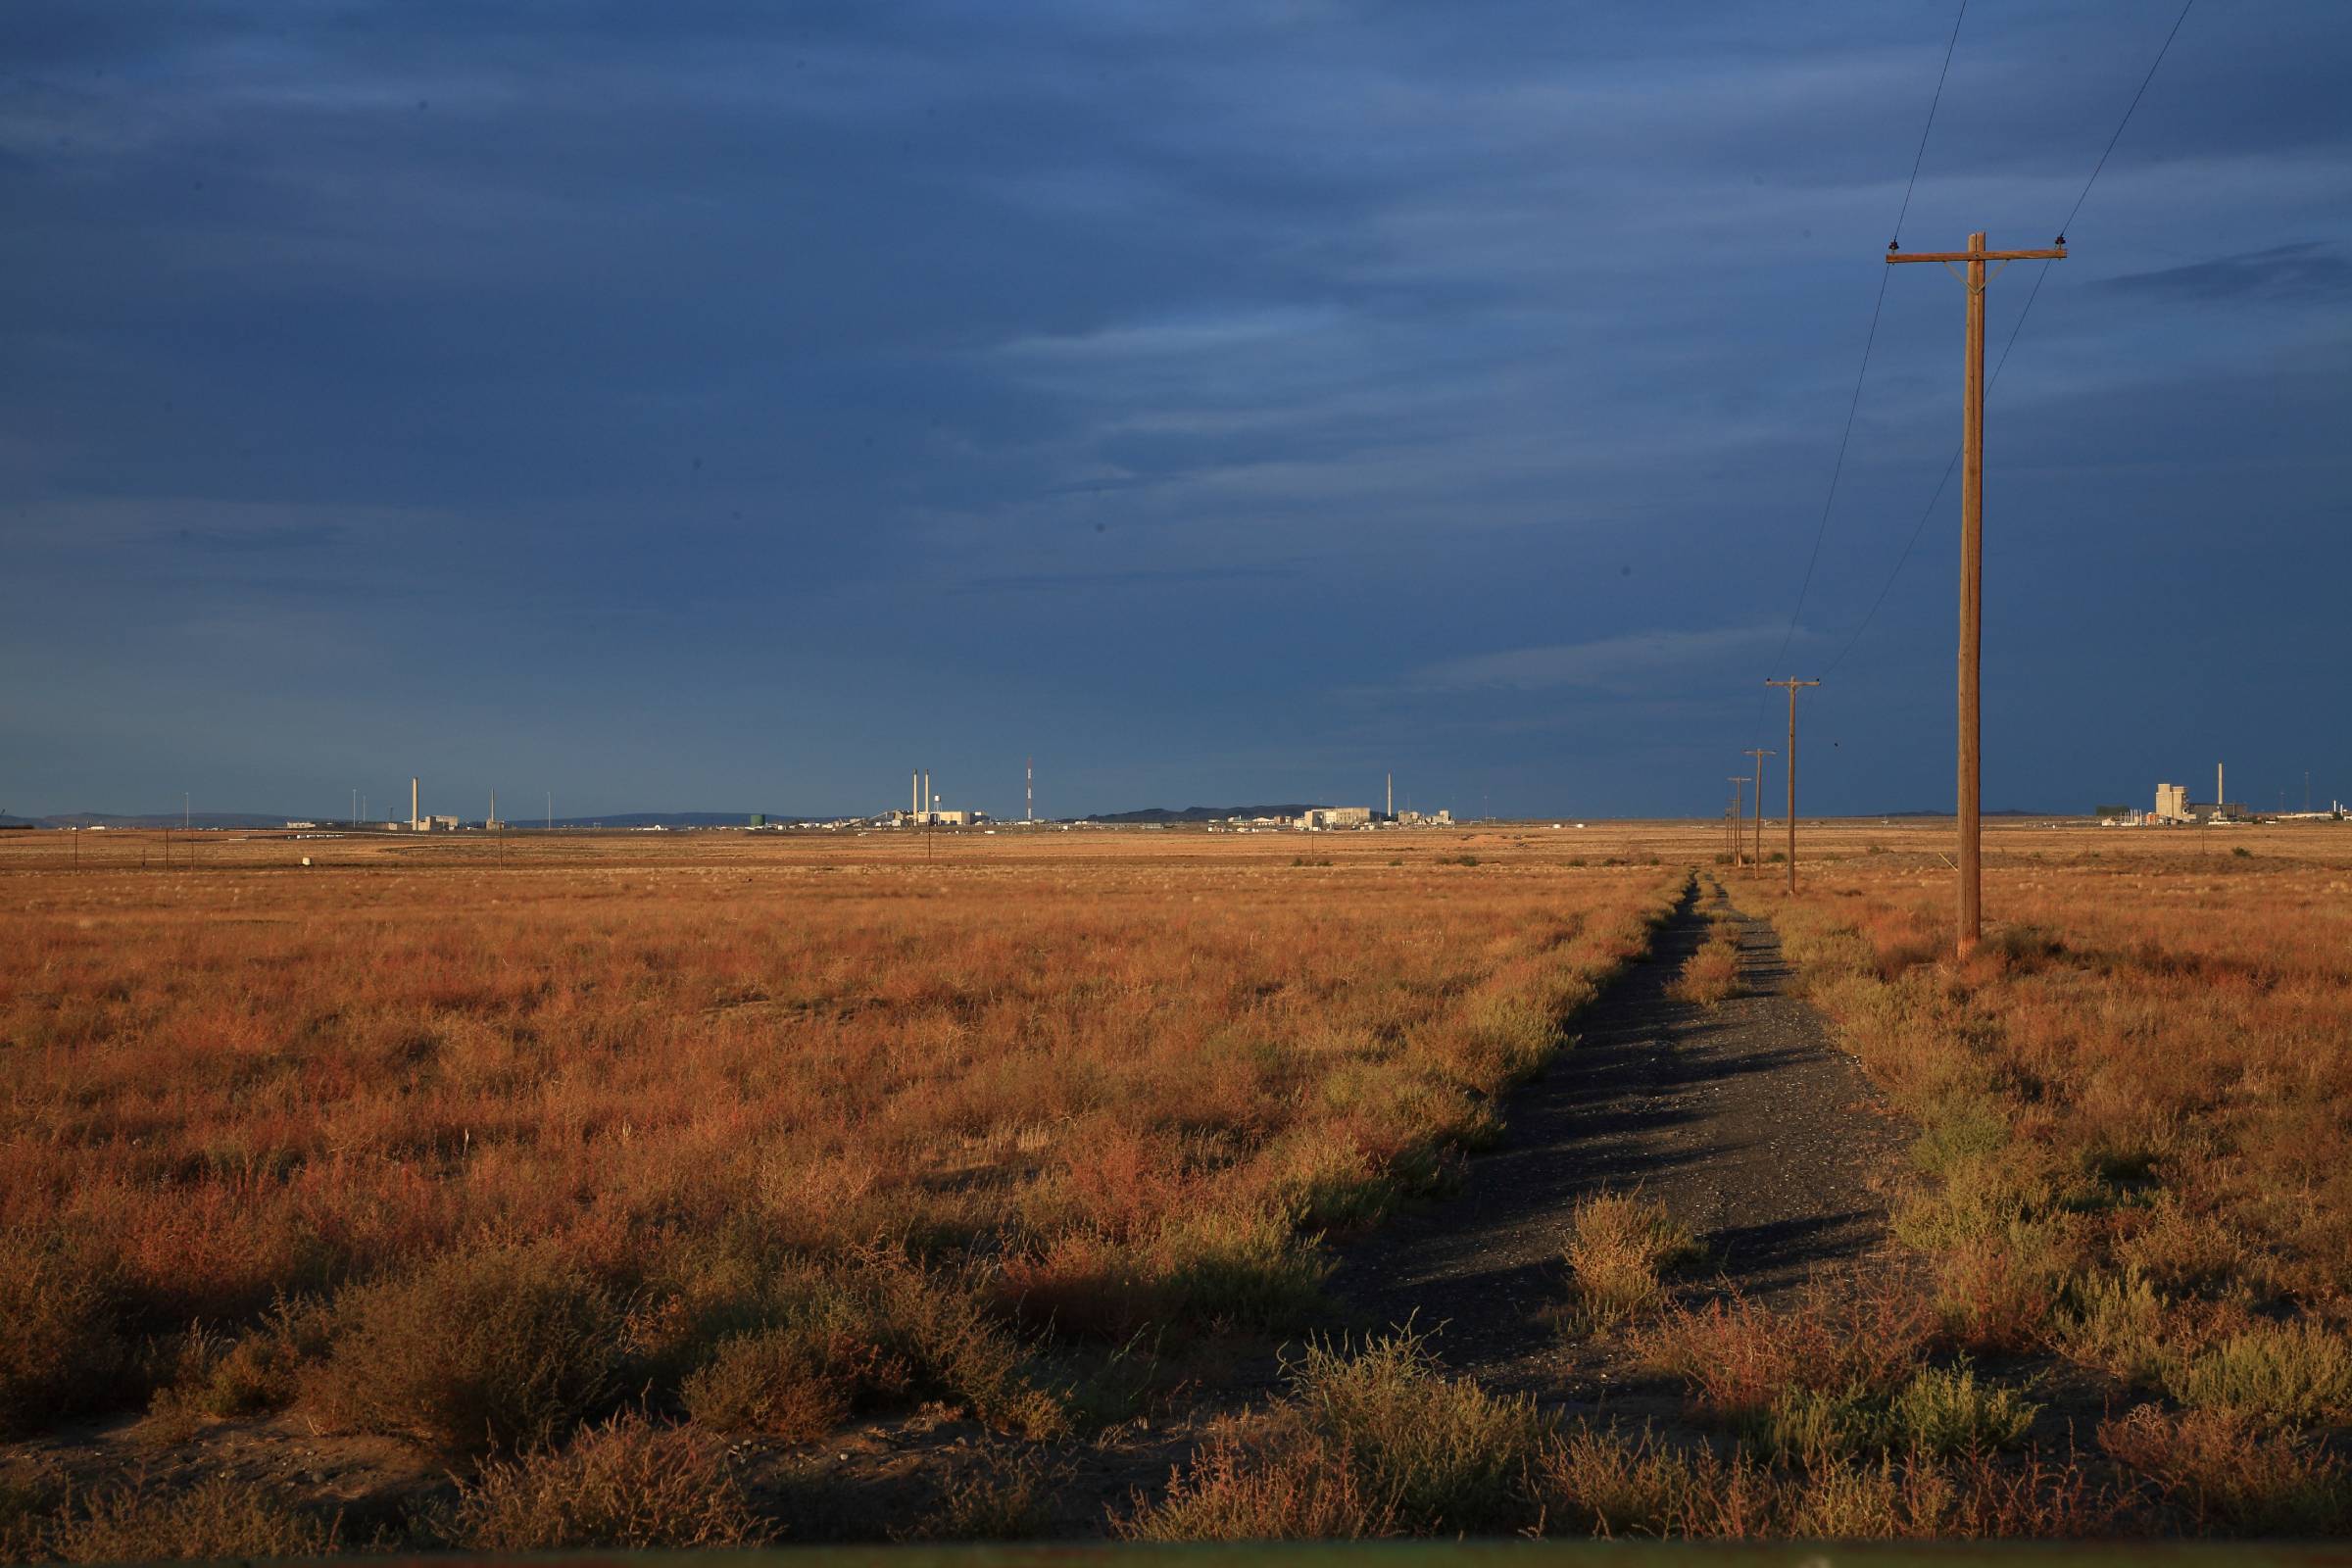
{"points": [[1732, 838], [1759, 754], [1972, 566], [1790, 771]]}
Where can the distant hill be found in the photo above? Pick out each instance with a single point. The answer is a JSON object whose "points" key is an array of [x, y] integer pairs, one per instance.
{"points": [[278, 819], [1197, 814], [146, 820], [669, 819]]}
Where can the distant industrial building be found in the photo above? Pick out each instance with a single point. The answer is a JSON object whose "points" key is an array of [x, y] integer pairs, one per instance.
{"points": [[2174, 806], [924, 811], [1325, 819]]}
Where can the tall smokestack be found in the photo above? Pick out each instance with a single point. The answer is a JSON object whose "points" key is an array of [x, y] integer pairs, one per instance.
{"points": [[926, 792], [1391, 796], [411, 803], [2218, 795], [914, 791], [1029, 789]]}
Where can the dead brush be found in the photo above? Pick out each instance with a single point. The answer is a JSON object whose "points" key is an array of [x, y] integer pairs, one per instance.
{"points": [[1594, 1482], [1007, 1495], [1622, 1247], [626, 1485], [502, 1348], [2222, 1470], [1857, 1336], [64, 1349], [218, 1519]]}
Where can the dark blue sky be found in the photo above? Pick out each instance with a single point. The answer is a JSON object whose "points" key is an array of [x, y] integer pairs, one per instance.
{"points": [[737, 406]]}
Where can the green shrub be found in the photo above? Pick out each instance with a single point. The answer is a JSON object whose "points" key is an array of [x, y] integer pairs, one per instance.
{"points": [[2115, 1323], [1369, 1442], [1243, 1269], [1945, 1410], [1815, 1424], [1620, 1248], [2298, 1374], [1939, 1412]]}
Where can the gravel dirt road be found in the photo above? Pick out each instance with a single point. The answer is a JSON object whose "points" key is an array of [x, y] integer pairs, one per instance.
{"points": [[1744, 1118]]}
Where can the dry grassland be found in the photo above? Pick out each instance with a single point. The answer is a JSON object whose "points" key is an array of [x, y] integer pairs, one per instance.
{"points": [[2133, 1104], [484, 1145], [2117, 1301], [581, 1166]]}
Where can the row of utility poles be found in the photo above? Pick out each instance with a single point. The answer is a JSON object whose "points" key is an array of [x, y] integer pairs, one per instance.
{"points": [[1969, 916], [1789, 774]]}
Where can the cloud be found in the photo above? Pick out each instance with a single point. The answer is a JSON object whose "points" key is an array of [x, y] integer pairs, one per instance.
{"points": [[1059, 581], [1634, 662], [1208, 333], [2281, 274]]}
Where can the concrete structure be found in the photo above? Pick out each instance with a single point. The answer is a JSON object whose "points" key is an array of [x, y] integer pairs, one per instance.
{"points": [[2171, 804], [1324, 819], [416, 823]]}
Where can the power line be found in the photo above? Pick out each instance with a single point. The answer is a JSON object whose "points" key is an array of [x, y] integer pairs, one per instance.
{"points": [[1920, 155], [2032, 295], [1869, 340], [1942, 484], [2186, 7]]}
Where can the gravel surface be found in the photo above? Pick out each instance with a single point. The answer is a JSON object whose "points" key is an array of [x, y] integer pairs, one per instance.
{"points": [[1744, 1118]]}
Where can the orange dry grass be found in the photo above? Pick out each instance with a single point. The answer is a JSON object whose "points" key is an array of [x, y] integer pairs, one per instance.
{"points": [[1127, 1079], [2137, 1101]]}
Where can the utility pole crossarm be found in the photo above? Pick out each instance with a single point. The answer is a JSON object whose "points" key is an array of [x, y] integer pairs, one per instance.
{"points": [[2052, 254]]}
